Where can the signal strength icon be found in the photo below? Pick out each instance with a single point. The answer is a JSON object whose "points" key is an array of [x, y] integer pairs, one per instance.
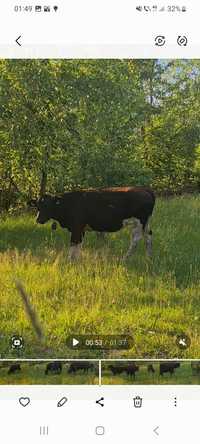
{"points": [[139, 8], [162, 9]]}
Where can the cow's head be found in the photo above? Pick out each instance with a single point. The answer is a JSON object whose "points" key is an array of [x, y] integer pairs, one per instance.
{"points": [[32, 203], [45, 206]]}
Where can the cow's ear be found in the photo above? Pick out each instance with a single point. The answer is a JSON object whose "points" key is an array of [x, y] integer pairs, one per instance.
{"points": [[32, 203]]}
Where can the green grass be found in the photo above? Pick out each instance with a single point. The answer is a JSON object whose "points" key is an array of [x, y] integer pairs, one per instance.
{"points": [[32, 373], [153, 300], [183, 375]]}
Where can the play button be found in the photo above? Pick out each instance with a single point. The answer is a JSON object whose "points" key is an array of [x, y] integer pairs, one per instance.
{"points": [[75, 342]]}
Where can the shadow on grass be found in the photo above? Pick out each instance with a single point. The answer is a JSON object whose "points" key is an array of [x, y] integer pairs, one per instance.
{"points": [[23, 234], [32, 238]]}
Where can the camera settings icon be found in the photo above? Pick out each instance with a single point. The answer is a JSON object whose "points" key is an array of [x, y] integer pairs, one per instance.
{"points": [[137, 402], [17, 342]]}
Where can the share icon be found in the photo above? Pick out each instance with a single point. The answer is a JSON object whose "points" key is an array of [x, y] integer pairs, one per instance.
{"points": [[100, 402]]}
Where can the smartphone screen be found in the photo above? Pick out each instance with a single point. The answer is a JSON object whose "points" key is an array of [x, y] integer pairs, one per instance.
{"points": [[99, 221]]}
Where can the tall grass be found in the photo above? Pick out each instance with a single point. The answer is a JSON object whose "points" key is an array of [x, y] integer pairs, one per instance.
{"points": [[182, 375], [153, 300]]}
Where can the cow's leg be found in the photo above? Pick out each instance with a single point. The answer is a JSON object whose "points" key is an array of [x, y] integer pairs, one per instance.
{"points": [[74, 252], [75, 243], [148, 238], [136, 236], [100, 235]]}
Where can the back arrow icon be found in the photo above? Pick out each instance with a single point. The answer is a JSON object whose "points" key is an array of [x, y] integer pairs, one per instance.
{"points": [[156, 430], [17, 40]]}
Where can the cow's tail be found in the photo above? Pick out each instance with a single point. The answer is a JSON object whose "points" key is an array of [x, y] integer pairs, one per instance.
{"points": [[152, 194]]}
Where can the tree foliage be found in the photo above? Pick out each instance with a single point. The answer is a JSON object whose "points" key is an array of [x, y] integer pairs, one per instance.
{"points": [[67, 123]]}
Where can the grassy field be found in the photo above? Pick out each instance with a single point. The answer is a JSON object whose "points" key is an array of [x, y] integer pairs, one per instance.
{"points": [[34, 373], [182, 375], [153, 300]]}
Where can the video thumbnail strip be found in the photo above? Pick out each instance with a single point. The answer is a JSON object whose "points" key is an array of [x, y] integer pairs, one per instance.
{"points": [[100, 372]]}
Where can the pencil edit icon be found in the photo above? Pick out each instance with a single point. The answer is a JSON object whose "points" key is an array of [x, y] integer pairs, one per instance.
{"points": [[62, 402]]}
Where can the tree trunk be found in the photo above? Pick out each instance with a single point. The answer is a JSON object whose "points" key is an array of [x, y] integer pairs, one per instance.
{"points": [[43, 183]]}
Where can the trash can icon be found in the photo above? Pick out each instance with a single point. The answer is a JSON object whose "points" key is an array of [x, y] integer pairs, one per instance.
{"points": [[137, 402]]}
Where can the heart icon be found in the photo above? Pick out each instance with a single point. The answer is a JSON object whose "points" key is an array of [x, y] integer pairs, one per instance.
{"points": [[24, 401]]}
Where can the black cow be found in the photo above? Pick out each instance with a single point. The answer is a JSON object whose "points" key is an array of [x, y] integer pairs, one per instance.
{"points": [[54, 367], [129, 369], [14, 368], [116, 369], [76, 366], [101, 210], [168, 367], [150, 368], [195, 368], [100, 236]]}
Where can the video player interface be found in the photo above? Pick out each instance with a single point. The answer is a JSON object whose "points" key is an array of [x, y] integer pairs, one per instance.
{"points": [[99, 209], [99, 221]]}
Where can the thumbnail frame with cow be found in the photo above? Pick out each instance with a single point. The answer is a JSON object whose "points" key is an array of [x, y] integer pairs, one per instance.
{"points": [[109, 373], [99, 208]]}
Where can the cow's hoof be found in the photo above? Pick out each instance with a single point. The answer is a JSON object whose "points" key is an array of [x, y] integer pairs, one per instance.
{"points": [[74, 252], [54, 226], [72, 260]]}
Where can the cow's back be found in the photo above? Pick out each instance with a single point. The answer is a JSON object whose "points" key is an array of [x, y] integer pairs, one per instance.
{"points": [[105, 209]]}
